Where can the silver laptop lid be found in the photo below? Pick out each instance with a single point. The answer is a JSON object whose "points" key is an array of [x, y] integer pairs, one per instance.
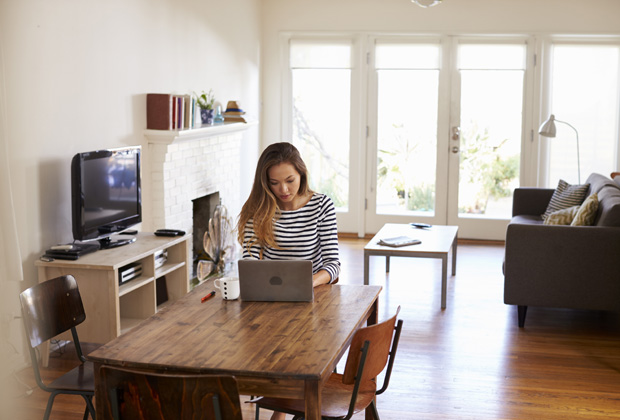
{"points": [[276, 280]]}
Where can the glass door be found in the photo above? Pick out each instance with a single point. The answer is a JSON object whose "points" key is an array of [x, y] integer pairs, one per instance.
{"points": [[446, 146], [406, 175], [487, 126]]}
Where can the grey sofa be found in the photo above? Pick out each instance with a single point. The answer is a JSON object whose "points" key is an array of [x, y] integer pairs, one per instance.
{"points": [[575, 267]]}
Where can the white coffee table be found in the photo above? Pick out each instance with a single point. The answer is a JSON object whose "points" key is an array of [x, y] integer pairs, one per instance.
{"points": [[437, 241]]}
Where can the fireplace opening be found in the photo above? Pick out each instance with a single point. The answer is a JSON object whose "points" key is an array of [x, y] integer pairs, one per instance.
{"points": [[203, 208]]}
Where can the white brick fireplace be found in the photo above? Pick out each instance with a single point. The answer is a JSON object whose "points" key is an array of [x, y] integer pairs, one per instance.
{"points": [[180, 166]]}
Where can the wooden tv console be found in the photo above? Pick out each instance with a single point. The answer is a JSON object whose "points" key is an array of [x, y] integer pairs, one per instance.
{"points": [[112, 308]]}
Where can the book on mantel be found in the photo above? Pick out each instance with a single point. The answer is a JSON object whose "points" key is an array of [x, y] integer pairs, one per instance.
{"points": [[165, 111], [159, 111]]}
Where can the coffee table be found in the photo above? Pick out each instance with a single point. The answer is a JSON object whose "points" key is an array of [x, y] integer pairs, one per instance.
{"points": [[437, 241]]}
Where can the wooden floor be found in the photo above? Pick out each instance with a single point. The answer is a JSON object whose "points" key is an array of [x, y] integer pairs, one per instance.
{"points": [[469, 361]]}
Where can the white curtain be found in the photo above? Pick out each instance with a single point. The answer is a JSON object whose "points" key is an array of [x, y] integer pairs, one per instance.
{"points": [[10, 256], [12, 353]]}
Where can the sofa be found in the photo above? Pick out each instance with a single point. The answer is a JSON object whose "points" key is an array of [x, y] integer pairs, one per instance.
{"points": [[563, 266]]}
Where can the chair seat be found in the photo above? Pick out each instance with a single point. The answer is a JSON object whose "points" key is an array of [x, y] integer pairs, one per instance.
{"points": [[335, 398], [80, 378]]}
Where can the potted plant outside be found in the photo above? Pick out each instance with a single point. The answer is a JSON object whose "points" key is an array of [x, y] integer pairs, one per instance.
{"points": [[205, 102]]}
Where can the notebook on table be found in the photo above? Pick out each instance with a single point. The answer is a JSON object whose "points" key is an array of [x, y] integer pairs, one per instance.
{"points": [[399, 241], [276, 280]]}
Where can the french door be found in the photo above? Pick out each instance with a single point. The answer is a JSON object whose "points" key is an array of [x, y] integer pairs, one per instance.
{"points": [[446, 131], [410, 129]]}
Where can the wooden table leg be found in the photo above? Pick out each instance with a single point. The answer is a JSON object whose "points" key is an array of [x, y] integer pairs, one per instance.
{"points": [[387, 263], [313, 400]]}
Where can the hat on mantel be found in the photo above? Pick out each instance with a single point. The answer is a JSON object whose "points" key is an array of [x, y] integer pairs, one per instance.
{"points": [[233, 108]]}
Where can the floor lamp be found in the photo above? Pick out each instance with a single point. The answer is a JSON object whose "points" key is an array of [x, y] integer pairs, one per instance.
{"points": [[547, 129]]}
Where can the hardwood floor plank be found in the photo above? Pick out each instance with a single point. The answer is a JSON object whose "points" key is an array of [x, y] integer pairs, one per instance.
{"points": [[469, 361]]}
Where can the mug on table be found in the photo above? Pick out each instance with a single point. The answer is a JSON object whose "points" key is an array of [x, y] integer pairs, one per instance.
{"points": [[229, 286]]}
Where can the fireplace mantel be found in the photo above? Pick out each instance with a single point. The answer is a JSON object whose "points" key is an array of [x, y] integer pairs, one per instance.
{"points": [[182, 165], [175, 136]]}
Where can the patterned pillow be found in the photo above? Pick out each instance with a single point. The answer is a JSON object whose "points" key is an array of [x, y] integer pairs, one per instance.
{"points": [[565, 196], [562, 217], [587, 212]]}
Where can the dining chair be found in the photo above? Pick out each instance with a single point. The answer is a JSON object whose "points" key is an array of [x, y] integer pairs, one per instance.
{"points": [[49, 309], [343, 395], [132, 394]]}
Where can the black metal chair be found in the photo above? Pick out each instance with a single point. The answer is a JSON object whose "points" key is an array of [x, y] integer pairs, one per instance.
{"points": [[132, 394], [372, 348], [49, 309]]}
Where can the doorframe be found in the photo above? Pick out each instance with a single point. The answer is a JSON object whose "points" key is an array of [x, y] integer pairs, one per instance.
{"points": [[493, 228]]}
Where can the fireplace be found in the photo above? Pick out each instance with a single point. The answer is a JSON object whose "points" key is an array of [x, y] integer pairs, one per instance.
{"points": [[203, 208], [183, 168]]}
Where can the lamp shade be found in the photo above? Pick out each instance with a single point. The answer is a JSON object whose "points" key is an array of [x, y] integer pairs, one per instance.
{"points": [[547, 129]]}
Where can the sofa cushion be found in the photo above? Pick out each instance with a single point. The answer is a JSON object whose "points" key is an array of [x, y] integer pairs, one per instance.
{"points": [[587, 212], [597, 182], [565, 196], [609, 206], [562, 217]]}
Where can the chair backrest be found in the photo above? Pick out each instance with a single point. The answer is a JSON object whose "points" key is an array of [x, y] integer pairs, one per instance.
{"points": [[51, 308], [379, 337], [140, 395]]}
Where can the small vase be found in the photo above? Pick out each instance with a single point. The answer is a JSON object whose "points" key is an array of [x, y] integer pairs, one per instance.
{"points": [[206, 115]]}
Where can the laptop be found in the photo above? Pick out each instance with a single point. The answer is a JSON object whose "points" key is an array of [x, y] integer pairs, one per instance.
{"points": [[276, 280]]}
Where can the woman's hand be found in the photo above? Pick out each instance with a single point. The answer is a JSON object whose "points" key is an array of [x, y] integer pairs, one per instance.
{"points": [[321, 277]]}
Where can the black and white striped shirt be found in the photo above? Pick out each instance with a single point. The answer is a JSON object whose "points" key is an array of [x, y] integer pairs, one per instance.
{"points": [[308, 233]]}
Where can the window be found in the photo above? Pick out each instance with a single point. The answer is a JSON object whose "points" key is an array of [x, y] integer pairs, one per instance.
{"points": [[584, 93], [321, 100]]}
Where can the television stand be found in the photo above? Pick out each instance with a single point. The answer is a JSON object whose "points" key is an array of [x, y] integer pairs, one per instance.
{"points": [[111, 307], [108, 242]]}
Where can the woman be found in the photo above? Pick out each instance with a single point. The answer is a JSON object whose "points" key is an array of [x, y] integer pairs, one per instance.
{"points": [[283, 219]]}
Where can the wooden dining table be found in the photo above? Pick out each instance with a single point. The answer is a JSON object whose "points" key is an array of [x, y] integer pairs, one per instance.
{"points": [[280, 349]]}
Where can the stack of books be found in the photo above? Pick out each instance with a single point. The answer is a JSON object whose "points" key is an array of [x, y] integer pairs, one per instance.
{"points": [[165, 111]]}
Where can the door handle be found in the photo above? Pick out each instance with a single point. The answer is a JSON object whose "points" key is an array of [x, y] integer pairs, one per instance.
{"points": [[455, 149]]}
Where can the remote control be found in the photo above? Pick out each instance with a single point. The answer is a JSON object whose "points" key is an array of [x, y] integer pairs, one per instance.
{"points": [[169, 232], [420, 225]]}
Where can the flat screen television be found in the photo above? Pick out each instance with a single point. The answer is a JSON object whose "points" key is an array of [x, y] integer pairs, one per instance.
{"points": [[105, 194]]}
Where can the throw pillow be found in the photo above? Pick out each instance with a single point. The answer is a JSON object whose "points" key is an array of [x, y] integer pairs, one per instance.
{"points": [[587, 212], [562, 217], [565, 196]]}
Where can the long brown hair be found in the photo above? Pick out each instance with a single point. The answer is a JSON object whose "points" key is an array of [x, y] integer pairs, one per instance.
{"points": [[262, 206]]}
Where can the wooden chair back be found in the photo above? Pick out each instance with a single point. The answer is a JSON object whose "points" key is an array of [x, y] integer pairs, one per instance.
{"points": [[140, 395], [51, 308], [379, 337]]}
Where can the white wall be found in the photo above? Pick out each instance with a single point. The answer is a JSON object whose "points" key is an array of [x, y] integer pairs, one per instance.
{"points": [[74, 75], [402, 16]]}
